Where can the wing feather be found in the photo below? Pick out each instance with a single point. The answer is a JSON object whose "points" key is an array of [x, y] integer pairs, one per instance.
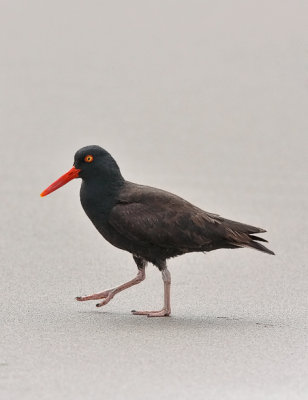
{"points": [[152, 217], [162, 219]]}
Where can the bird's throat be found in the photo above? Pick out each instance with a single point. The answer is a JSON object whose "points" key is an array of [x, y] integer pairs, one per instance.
{"points": [[98, 198]]}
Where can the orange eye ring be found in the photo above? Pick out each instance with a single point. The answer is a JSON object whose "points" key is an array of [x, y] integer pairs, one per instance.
{"points": [[88, 158]]}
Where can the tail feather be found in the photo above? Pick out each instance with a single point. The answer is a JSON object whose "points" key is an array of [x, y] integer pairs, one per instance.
{"points": [[240, 235], [259, 246], [259, 239], [239, 227]]}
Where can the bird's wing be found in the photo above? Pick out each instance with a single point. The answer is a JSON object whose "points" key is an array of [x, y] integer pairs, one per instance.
{"points": [[162, 219]]}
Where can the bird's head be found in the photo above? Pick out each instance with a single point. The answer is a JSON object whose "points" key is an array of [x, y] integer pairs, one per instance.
{"points": [[90, 162]]}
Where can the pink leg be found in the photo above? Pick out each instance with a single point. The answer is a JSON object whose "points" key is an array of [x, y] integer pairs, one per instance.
{"points": [[108, 294], [166, 310]]}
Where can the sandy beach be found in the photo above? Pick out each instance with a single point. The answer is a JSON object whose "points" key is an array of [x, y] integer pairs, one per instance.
{"points": [[206, 100]]}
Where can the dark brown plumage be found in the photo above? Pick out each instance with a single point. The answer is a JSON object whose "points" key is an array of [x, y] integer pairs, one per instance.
{"points": [[150, 223]]}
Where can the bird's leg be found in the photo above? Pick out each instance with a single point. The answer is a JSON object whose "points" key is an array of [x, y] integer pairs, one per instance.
{"points": [[108, 294], [166, 310]]}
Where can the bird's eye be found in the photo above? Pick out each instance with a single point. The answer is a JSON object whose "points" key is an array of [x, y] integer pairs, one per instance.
{"points": [[88, 158]]}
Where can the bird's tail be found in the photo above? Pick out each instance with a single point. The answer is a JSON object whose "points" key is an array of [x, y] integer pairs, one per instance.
{"points": [[258, 246], [242, 235]]}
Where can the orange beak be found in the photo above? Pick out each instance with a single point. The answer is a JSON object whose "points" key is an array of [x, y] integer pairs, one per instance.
{"points": [[71, 174]]}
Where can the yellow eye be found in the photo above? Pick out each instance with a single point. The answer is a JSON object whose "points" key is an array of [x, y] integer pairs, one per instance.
{"points": [[88, 158]]}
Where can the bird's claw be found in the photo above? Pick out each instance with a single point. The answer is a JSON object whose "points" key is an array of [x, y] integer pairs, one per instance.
{"points": [[106, 301], [103, 303]]}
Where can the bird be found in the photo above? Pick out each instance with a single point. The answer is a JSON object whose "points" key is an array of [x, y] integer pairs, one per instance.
{"points": [[150, 223]]}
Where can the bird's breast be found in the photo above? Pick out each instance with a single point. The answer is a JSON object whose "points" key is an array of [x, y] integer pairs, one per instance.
{"points": [[98, 204]]}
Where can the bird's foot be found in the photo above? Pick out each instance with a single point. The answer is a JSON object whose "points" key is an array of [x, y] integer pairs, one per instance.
{"points": [[106, 294], [161, 313], [106, 301]]}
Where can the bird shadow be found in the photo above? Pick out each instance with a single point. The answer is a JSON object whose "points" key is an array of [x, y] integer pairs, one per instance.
{"points": [[121, 320]]}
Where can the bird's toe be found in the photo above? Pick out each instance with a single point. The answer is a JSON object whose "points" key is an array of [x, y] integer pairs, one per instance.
{"points": [[104, 302], [101, 304], [134, 312], [161, 313]]}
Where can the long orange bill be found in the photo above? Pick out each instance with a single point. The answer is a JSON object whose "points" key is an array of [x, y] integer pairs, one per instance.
{"points": [[71, 174]]}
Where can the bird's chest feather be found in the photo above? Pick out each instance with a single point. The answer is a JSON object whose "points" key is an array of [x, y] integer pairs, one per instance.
{"points": [[97, 204]]}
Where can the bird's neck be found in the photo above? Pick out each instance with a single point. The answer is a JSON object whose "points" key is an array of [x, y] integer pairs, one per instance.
{"points": [[98, 196]]}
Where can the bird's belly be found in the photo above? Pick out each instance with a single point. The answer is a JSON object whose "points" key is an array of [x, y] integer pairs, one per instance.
{"points": [[150, 252]]}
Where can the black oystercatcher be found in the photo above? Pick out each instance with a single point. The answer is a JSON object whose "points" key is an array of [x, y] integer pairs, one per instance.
{"points": [[152, 224]]}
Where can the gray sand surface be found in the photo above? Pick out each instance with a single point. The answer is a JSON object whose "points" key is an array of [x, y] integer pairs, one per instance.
{"points": [[205, 99]]}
